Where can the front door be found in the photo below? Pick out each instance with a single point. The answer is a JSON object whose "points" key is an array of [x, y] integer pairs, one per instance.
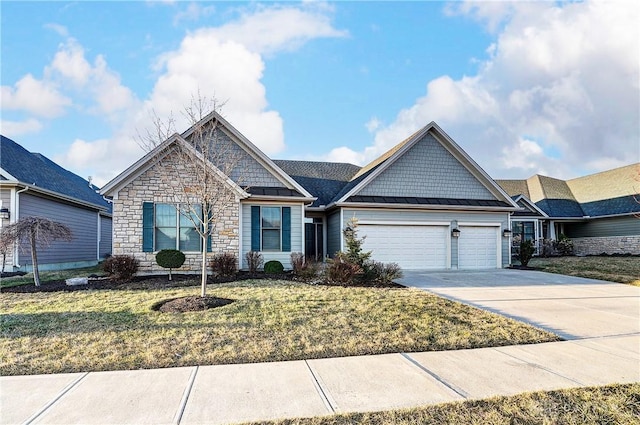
{"points": [[314, 246]]}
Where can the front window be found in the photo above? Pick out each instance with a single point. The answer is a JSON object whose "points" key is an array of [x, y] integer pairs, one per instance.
{"points": [[271, 228], [523, 231], [175, 230]]}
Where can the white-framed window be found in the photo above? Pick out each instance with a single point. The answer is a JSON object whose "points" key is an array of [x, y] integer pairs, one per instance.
{"points": [[175, 230], [271, 228]]}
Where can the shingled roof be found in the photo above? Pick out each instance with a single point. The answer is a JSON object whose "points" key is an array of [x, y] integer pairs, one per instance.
{"points": [[37, 170], [325, 180], [609, 192]]}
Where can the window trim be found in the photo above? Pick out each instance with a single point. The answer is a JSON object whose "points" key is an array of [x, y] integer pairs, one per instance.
{"points": [[177, 228], [262, 229]]}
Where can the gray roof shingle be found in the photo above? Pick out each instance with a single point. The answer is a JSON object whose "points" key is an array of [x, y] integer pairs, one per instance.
{"points": [[38, 170]]}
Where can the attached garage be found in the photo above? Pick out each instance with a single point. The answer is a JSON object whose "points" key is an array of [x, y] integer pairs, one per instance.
{"points": [[412, 246], [479, 247]]}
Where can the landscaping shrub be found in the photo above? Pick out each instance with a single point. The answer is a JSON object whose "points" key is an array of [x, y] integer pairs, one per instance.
{"points": [[170, 259], [526, 252], [354, 253], [223, 264], [564, 245], [273, 267], [254, 261], [121, 267], [384, 273], [303, 268], [342, 270]]}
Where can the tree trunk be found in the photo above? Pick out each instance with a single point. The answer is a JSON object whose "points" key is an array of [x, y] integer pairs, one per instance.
{"points": [[169, 273], [34, 258], [203, 291]]}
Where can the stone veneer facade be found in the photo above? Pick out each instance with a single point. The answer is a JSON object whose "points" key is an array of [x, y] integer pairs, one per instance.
{"points": [[607, 244], [157, 185]]}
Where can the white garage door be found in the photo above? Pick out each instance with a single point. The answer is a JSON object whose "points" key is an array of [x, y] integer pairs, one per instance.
{"points": [[412, 247], [478, 247]]}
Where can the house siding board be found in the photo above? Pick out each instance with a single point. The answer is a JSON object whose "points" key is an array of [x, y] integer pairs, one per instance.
{"points": [[614, 226], [248, 171], [427, 170], [297, 243], [106, 229], [438, 216], [5, 198], [82, 222], [334, 229]]}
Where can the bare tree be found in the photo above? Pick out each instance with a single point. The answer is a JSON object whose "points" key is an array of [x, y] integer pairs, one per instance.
{"points": [[36, 231], [204, 167]]}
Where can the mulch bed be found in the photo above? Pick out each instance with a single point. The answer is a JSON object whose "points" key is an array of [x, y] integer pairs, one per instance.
{"points": [[191, 303], [520, 267]]}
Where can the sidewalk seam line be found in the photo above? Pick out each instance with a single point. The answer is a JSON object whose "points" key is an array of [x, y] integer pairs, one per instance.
{"points": [[452, 387], [539, 366], [185, 396], [323, 394], [64, 391]]}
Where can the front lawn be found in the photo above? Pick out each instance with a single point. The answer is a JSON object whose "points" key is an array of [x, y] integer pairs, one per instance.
{"points": [[614, 269], [91, 330], [611, 404]]}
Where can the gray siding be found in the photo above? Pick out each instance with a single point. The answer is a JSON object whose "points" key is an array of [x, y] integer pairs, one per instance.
{"points": [[248, 171], [105, 236], [334, 230], [5, 197], [614, 226], [297, 239], [82, 222], [427, 170], [449, 216]]}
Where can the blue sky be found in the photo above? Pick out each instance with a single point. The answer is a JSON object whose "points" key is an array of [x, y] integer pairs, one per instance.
{"points": [[524, 88]]}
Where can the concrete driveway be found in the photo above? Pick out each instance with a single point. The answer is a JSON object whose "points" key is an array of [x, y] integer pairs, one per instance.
{"points": [[571, 307]]}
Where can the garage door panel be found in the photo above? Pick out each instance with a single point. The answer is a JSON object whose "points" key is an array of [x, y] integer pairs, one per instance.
{"points": [[412, 247], [478, 247]]}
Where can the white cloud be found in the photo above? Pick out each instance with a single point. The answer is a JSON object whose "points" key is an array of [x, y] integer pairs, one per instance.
{"points": [[224, 62], [566, 76], [193, 12], [38, 97], [267, 30], [17, 128]]}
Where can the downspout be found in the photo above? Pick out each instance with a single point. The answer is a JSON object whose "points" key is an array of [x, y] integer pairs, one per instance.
{"points": [[17, 217]]}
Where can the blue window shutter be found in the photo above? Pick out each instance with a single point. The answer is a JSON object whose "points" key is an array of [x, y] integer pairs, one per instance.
{"points": [[255, 228], [286, 229], [147, 226]]}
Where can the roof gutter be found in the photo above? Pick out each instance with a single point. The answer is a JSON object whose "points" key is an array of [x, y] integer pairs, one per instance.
{"points": [[60, 196], [424, 207]]}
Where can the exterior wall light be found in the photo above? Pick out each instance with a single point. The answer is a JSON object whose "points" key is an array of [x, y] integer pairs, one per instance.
{"points": [[455, 233], [4, 213], [506, 233]]}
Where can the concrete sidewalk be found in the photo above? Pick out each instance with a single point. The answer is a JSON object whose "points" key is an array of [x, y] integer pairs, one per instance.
{"points": [[250, 392]]}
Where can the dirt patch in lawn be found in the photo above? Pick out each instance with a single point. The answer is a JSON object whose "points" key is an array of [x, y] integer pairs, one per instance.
{"points": [[191, 303]]}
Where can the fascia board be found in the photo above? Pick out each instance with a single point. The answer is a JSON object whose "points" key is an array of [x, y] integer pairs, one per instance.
{"points": [[7, 175], [423, 207], [531, 204], [252, 150], [290, 198], [60, 196]]}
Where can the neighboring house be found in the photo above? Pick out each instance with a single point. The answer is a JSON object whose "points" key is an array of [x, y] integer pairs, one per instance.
{"points": [[33, 185], [599, 212], [425, 204]]}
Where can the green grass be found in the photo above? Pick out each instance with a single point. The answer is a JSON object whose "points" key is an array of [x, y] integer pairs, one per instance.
{"points": [[49, 276], [614, 269], [612, 404], [269, 321]]}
